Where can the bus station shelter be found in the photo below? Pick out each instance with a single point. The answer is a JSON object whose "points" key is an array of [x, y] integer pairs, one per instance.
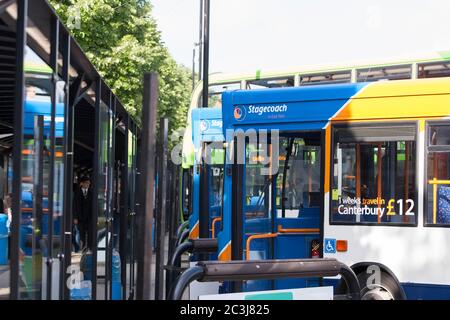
{"points": [[59, 121]]}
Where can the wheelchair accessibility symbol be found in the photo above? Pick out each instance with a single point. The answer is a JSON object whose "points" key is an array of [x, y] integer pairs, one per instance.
{"points": [[329, 246]]}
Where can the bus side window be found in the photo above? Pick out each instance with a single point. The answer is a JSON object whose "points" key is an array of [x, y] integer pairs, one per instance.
{"points": [[373, 174], [438, 174]]}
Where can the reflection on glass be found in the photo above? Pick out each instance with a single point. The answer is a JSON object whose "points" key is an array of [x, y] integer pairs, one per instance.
{"points": [[214, 159], [374, 182], [257, 206], [301, 186], [7, 93], [215, 93], [36, 157], [5, 222], [257, 186], [438, 177], [131, 231], [103, 180]]}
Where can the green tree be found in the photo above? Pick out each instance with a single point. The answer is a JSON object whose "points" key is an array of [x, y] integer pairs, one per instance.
{"points": [[121, 39]]}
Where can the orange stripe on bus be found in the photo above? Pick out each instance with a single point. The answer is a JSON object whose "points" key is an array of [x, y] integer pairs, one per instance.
{"points": [[195, 232], [225, 255]]}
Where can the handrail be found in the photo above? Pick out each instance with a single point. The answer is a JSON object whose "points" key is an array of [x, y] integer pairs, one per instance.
{"points": [[23, 209], [177, 289], [257, 236], [274, 235], [213, 225], [297, 230], [435, 182], [183, 237], [212, 271], [181, 228]]}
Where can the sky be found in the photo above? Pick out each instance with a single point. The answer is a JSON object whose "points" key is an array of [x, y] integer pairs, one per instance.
{"points": [[249, 35]]}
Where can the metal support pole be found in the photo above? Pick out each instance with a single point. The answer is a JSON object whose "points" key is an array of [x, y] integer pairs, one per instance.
{"points": [[236, 217], [204, 201], [206, 54], [161, 209], [172, 218], [65, 257], [134, 206], [111, 185], [124, 205], [169, 195], [51, 182], [200, 42], [38, 193], [96, 174], [146, 186], [193, 69], [21, 40], [109, 197], [174, 213]]}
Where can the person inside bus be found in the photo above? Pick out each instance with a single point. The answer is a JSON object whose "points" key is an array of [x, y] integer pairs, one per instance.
{"points": [[6, 204], [31, 92], [82, 212]]}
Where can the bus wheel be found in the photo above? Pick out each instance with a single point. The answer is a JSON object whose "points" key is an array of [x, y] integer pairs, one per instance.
{"points": [[387, 289]]}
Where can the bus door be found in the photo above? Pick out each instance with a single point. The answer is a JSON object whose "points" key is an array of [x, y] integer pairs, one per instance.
{"points": [[298, 198], [257, 210], [281, 210], [215, 190], [210, 192]]}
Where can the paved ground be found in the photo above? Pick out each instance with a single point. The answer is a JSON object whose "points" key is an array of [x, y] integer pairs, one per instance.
{"points": [[4, 282]]}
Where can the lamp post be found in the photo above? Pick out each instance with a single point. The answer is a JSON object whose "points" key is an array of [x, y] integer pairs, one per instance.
{"points": [[206, 7]]}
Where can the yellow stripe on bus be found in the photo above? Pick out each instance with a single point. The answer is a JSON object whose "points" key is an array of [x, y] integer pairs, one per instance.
{"points": [[400, 99]]}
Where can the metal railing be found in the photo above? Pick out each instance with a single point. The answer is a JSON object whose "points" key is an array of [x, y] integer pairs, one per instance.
{"points": [[265, 270], [274, 235]]}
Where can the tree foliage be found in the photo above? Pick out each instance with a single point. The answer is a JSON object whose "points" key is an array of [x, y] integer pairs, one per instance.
{"points": [[121, 39]]}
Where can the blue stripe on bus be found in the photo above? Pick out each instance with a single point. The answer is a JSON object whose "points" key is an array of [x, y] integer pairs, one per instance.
{"points": [[413, 291]]}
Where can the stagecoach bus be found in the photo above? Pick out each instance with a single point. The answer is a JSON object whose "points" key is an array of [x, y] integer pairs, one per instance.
{"points": [[208, 172], [359, 172], [432, 65]]}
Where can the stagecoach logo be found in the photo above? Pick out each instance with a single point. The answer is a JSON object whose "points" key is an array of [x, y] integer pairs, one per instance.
{"points": [[272, 109], [239, 113], [204, 125], [277, 111]]}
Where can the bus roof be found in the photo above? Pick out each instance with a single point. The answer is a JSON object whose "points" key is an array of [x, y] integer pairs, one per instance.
{"points": [[315, 106], [218, 78], [37, 68]]}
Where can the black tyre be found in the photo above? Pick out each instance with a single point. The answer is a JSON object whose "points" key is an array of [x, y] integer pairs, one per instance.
{"points": [[388, 287]]}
